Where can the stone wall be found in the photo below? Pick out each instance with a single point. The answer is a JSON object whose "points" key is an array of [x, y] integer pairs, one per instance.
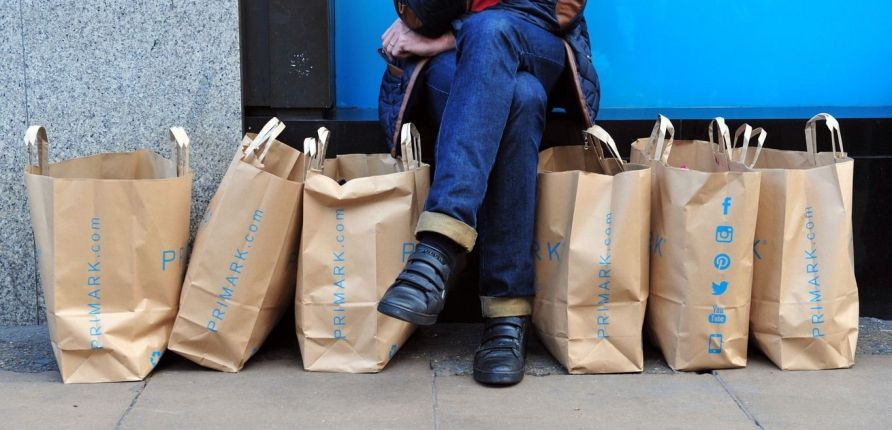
{"points": [[109, 75]]}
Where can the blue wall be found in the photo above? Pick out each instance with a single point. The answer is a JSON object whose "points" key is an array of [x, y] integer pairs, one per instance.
{"points": [[683, 54]]}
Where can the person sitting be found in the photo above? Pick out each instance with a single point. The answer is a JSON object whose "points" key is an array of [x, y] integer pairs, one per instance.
{"points": [[489, 82]]}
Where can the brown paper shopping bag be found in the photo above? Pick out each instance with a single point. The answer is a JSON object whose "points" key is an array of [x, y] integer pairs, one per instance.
{"points": [[110, 231], [805, 299], [360, 213], [242, 270], [703, 219], [592, 231]]}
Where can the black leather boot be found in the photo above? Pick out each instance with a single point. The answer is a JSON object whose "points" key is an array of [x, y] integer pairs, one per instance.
{"points": [[500, 358], [419, 292]]}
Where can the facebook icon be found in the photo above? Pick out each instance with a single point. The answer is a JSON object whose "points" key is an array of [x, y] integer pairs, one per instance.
{"points": [[726, 204]]}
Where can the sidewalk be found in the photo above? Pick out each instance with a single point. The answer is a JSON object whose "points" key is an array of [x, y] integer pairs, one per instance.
{"points": [[428, 385]]}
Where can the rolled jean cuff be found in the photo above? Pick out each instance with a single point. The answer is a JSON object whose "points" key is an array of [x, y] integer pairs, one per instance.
{"points": [[496, 307], [448, 226]]}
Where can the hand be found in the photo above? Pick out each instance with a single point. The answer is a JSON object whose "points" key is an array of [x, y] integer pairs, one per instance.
{"points": [[401, 42]]}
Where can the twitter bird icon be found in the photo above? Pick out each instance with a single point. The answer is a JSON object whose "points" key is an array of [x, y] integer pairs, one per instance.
{"points": [[719, 288]]}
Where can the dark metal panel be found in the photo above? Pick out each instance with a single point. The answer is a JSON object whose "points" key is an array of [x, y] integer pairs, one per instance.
{"points": [[871, 208], [301, 72], [255, 52]]}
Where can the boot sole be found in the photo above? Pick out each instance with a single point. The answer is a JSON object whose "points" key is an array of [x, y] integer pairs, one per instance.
{"points": [[406, 315], [489, 378]]}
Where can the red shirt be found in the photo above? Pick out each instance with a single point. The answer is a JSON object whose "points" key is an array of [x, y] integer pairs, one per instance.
{"points": [[478, 5]]}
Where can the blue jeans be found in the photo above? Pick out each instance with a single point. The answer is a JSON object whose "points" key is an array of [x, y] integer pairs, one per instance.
{"points": [[490, 96]]}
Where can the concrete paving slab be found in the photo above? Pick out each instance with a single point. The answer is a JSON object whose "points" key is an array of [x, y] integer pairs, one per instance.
{"points": [[856, 398], [40, 400], [584, 402], [274, 391], [450, 348], [280, 394]]}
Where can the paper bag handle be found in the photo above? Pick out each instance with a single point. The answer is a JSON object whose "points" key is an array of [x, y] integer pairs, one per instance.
{"points": [[317, 147], [595, 132], [261, 136], [410, 144], [37, 145], [310, 147], [724, 134], [264, 139], [658, 147], [180, 149], [748, 133], [811, 136], [722, 148]]}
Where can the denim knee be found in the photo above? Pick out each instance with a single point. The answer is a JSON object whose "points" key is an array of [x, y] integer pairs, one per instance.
{"points": [[528, 108], [529, 96]]}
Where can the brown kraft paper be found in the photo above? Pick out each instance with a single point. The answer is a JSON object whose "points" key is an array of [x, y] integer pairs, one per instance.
{"points": [[110, 230]]}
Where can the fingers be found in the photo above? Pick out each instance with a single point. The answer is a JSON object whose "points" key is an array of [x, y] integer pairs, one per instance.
{"points": [[395, 48], [400, 51], [412, 43], [387, 41], [401, 42], [408, 44], [395, 44], [389, 34], [387, 37]]}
